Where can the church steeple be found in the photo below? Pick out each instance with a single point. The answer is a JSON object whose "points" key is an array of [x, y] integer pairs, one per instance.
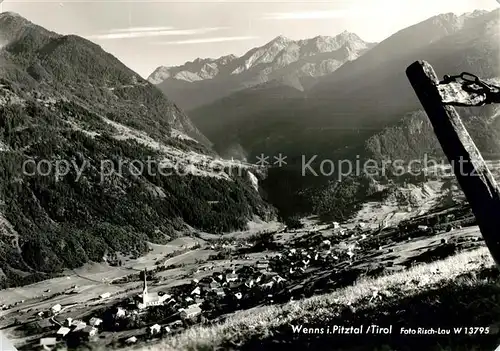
{"points": [[145, 287]]}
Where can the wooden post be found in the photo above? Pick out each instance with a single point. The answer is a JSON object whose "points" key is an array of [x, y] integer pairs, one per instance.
{"points": [[471, 171]]}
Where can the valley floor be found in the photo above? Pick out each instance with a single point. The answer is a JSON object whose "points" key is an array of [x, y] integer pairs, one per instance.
{"points": [[349, 274]]}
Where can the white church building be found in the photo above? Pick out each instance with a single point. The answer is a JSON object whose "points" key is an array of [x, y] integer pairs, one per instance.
{"points": [[147, 299]]}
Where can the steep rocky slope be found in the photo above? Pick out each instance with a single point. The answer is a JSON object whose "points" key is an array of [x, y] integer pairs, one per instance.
{"points": [[413, 138], [73, 66], [96, 160]]}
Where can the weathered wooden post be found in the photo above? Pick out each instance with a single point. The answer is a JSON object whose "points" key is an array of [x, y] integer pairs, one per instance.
{"points": [[469, 167]]}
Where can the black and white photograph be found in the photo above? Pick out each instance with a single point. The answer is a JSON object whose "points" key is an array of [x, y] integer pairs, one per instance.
{"points": [[250, 175]]}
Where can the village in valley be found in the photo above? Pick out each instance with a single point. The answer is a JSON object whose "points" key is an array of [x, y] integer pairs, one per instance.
{"points": [[206, 278]]}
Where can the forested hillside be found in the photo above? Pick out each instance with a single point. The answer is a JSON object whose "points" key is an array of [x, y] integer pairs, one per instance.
{"points": [[67, 109]]}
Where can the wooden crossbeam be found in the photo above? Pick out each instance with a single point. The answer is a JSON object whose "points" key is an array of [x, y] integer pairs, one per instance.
{"points": [[469, 167]]}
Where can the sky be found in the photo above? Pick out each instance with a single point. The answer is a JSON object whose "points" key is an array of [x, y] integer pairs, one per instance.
{"points": [[147, 34]]}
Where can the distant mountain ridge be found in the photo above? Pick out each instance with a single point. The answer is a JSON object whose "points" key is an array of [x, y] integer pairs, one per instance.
{"points": [[366, 109], [296, 63], [419, 39], [359, 99], [198, 69]]}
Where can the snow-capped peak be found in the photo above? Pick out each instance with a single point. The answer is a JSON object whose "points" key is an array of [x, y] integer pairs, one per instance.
{"points": [[280, 40], [159, 75], [276, 54]]}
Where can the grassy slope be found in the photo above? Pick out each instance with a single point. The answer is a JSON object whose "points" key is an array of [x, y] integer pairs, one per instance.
{"points": [[440, 281]]}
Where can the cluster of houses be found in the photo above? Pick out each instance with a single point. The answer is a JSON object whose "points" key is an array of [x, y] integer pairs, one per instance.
{"points": [[263, 278], [191, 301], [294, 262], [190, 298], [73, 330], [218, 292]]}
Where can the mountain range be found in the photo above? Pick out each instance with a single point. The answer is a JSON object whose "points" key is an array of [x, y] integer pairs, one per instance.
{"points": [[95, 160], [337, 115], [296, 63]]}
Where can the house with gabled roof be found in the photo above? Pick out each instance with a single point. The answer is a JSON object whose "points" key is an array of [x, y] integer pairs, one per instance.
{"points": [[154, 329], [90, 331], [48, 343], [63, 331], [95, 322], [190, 312]]}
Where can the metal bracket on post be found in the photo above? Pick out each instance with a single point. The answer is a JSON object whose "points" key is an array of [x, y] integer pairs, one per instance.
{"points": [[473, 175], [467, 89]]}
